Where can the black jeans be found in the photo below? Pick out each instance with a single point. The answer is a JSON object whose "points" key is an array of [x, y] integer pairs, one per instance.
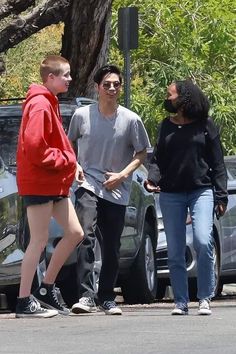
{"points": [[109, 217]]}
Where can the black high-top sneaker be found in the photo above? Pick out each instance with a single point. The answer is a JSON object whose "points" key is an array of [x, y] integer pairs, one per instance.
{"points": [[47, 295], [30, 307]]}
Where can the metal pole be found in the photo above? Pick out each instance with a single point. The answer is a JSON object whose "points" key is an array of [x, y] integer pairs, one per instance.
{"points": [[127, 78]]}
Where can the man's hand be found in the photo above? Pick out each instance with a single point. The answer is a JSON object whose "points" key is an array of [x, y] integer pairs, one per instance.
{"points": [[79, 175], [113, 180], [150, 187]]}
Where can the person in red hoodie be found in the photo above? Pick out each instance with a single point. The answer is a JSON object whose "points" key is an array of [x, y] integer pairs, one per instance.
{"points": [[46, 168]]}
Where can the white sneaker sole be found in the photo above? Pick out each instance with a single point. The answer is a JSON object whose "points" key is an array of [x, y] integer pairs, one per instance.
{"points": [[79, 308], [113, 312], [48, 314], [179, 313], [204, 312]]}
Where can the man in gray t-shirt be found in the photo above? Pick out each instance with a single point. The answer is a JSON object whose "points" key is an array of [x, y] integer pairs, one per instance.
{"points": [[111, 143]]}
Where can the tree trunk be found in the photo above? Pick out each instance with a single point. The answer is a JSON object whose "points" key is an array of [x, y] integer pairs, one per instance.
{"points": [[48, 13], [85, 42], [15, 7]]}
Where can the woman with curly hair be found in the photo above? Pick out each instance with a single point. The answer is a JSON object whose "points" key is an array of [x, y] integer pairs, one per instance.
{"points": [[188, 170]]}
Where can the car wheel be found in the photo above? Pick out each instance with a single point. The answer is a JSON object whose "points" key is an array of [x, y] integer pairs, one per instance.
{"points": [[141, 284], [218, 285], [67, 278], [216, 255], [97, 258]]}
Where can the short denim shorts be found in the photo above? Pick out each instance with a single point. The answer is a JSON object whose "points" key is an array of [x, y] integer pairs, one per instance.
{"points": [[41, 199]]}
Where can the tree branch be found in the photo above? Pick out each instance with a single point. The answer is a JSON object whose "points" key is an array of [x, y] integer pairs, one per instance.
{"points": [[14, 7], [50, 12]]}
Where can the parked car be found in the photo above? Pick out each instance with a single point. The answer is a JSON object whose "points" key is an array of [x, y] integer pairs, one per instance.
{"points": [[224, 233], [10, 218], [137, 272]]}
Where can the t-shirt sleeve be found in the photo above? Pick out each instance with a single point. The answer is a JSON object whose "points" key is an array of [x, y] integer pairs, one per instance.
{"points": [[74, 127], [139, 136]]}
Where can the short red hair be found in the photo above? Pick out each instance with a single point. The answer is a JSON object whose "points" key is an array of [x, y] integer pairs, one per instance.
{"points": [[52, 64]]}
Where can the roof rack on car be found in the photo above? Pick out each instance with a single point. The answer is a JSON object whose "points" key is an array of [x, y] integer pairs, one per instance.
{"points": [[79, 101], [84, 101], [18, 99]]}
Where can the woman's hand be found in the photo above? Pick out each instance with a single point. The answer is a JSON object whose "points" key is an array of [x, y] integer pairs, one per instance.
{"points": [[150, 187], [220, 209]]}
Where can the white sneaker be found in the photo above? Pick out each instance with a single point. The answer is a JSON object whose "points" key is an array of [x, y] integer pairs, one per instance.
{"points": [[85, 305], [204, 307], [180, 309]]}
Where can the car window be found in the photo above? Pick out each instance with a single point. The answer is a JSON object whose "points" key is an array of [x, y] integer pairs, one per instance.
{"points": [[9, 127], [231, 169]]}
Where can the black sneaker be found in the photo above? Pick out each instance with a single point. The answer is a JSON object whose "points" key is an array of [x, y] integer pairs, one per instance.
{"points": [[110, 308], [30, 307], [48, 296]]}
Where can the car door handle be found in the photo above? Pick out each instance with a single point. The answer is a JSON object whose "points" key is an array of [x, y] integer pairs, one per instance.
{"points": [[139, 179]]}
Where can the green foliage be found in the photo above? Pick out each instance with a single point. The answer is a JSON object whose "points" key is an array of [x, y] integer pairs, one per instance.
{"points": [[180, 39], [177, 39], [22, 62]]}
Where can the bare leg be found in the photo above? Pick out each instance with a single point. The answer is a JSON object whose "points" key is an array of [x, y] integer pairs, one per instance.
{"points": [[38, 218], [65, 215]]}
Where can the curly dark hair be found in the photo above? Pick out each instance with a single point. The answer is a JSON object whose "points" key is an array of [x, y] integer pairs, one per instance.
{"points": [[193, 102], [104, 70]]}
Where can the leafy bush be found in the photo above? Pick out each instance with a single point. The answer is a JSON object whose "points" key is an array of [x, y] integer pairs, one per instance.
{"points": [[179, 40]]}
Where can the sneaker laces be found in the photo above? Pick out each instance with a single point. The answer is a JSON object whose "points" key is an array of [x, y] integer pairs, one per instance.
{"points": [[181, 306], [35, 305], [110, 304], [55, 298], [59, 297], [204, 303], [86, 300]]}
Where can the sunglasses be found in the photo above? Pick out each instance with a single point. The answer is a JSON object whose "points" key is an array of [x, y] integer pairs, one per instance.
{"points": [[107, 85]]}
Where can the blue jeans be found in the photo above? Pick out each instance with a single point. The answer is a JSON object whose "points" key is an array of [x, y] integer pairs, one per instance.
{"points": [[174, 207]]}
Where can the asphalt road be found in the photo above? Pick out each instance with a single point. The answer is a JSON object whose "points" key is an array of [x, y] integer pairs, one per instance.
{"points": [[141, 329]]}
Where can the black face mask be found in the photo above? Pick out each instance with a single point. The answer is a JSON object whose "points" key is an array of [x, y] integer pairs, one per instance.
{"points": [[169, 107]]}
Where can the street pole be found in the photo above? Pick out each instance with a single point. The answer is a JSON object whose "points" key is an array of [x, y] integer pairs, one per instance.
{"points": [[127, 79], [127, 39]]}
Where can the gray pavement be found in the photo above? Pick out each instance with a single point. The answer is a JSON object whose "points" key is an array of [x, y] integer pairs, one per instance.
{"points": [[141, 329]]}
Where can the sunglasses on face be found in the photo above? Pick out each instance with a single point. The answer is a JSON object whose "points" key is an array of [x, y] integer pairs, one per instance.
{"points": [[107, 85]]}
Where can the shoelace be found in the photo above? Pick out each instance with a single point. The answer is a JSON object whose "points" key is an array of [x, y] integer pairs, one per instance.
{"points": [[35, 305], [54, 295], [86, 300], [110, 304], [59, 297], [204, 304], [181, 306]]}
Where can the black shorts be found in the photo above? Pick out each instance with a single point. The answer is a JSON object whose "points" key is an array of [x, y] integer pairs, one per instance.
{"points": [[41, 199]]}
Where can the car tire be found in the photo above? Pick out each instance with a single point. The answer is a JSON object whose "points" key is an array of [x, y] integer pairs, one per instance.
{"points": [[141, 284], [216, 255], [67, 277]]}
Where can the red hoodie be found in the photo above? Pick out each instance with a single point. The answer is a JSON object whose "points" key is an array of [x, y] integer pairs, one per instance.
{"points": [[46, 162]]}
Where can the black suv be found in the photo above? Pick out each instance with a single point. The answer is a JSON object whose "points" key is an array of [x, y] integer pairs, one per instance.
{"points": [[137, 274]]}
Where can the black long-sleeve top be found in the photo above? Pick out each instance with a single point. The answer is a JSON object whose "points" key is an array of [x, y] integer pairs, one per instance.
{"points": [[187, 157]]}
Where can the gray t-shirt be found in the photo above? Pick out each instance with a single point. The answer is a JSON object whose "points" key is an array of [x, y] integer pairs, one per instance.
{"points": [[107, 145]]}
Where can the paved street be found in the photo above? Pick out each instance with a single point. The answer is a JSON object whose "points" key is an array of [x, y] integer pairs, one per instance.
{"points": [[141, 329]]}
